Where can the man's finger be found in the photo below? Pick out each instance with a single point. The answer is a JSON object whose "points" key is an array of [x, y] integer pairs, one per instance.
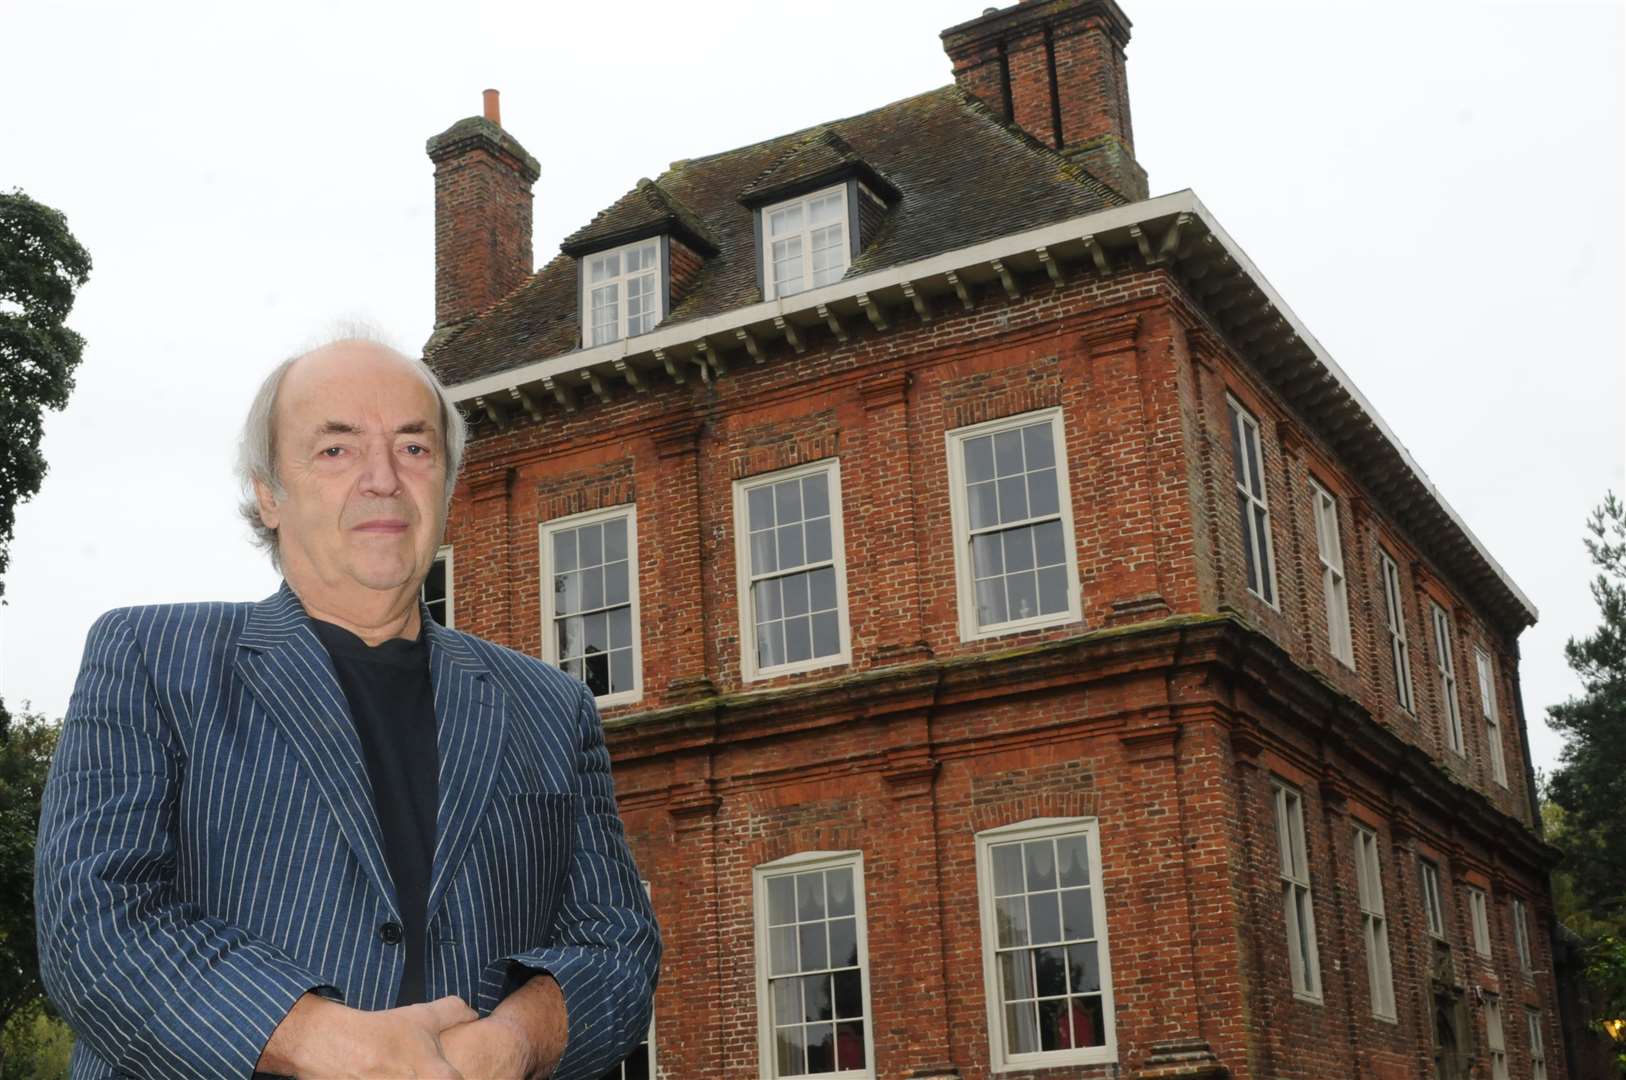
{"points": [[449, 1010]]}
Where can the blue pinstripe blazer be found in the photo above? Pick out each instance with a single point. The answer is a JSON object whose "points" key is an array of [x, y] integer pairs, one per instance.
{"points": [[208, 849]]}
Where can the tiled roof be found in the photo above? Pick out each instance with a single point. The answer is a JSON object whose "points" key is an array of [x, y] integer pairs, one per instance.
{"points": [[963, 176]]}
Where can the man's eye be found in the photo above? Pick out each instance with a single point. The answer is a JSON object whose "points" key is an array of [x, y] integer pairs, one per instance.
{"points": [[416, 450], [333, 451]]}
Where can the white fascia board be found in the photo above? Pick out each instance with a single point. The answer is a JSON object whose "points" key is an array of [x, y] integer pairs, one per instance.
{"points": [[1349, 387], [667, 336], [1100, 221]]}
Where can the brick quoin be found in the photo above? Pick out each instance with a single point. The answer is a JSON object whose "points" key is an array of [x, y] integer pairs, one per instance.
{"points": [[1164, 714]]}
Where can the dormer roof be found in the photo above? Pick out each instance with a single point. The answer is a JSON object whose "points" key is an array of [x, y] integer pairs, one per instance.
{"points": [[821, 158], [647, 210]]}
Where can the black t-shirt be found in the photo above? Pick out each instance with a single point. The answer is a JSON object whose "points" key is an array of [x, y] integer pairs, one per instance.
{"points": [[393, 705]]}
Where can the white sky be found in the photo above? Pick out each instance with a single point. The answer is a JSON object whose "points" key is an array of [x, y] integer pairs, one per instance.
{"points": [[1436, 190]]}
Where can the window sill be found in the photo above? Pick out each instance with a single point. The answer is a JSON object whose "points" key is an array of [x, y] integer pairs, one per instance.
{"points": [[764, 674], [1004, 629]]}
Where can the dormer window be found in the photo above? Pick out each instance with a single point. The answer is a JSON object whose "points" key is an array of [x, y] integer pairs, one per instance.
{"points": [[806, 242], [621, 292]]}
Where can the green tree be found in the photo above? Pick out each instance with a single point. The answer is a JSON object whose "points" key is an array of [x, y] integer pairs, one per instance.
{"points": [[41, 268], [1589, 785], [25, 757]]}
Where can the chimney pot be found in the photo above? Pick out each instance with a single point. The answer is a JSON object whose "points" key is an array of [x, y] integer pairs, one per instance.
{"points": [[492, 111]]}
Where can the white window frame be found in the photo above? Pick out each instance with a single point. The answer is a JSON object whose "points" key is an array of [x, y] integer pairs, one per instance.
{"points": [[1298, 898], [1040, 829], [1244, 426], [1495, 1037], [589, 340], [1374, 924], [444, 554], [1479, 914], [1538, 1045], [1445, 667], [1428, 884], [1334, 583], [960, 520], [1521, 937], [770, 286], [1399, 648], [1487, 706], [749, 671], [550, 646], [803, 862]]}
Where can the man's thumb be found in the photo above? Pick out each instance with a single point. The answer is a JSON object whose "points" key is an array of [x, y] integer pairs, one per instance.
{"points": [[449, 1010]]}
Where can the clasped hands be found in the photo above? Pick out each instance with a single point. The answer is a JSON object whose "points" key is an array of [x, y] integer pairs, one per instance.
{"points": [[443, 1039]]}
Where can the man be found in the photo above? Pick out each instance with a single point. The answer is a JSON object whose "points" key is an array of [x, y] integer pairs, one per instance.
{"points": [[322, 835]]}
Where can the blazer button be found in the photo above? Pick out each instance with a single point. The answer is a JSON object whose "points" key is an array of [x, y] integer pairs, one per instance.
{"points": [[390, 933]]}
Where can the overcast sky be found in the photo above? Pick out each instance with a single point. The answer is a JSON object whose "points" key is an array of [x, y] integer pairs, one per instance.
{"points": [[1437, 193]]}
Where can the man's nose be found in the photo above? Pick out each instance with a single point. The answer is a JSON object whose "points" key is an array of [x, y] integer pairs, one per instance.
{"points": [[379, 475]]}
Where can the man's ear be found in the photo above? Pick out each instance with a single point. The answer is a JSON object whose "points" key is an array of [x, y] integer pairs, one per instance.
{"points": [[270, 510]]}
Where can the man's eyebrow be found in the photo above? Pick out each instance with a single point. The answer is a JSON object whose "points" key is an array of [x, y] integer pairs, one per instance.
{"points": [[338, 427], [415, 427]]}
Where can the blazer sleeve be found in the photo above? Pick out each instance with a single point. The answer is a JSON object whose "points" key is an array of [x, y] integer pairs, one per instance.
{"points": [[605, 949], [150, 983]]}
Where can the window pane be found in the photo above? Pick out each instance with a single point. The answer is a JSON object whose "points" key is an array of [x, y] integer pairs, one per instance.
{"points": [[843, 942], [564, 550], [763, 557], [767, 596], [1021, 1028], [1037, 445], [821, 1048], [816, 1002], [1084, 967], [1007, 869], [1018, 549], [991, 602], [790, 544], [615, 539], [850, 1046], [770, 644], [787, 1000], [1251, 439], [597, 633], [787, 219], [818, 540], [1089, 1028], [810, 898], [815, 949], [597, 673], [822, 589], [1073, 854], [787, 499], [979, 459], [987, 555], [1052, 589], [1050, 970], [1262, 530], [782, 950], [826, 634], [1248, 542], [849, 994], [1039, 858], [759, 507], [781, 900], [793, 587], [592, 588], [1054, 1033], [615, 583], [839, 887], [1011, 915], [1016, 974], [1077, 917], [982, 504], [1044, 918], [790, 1051], [1023, 590], [621, 670], [1013, 498], [1042, 496], [798, 640], [826, 208]]}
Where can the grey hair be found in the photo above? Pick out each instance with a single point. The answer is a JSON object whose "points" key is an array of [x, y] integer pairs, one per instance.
{"points": [[257, 447]]}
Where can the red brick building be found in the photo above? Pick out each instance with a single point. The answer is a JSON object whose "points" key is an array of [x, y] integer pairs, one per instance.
{"points": [[1022, 648]]}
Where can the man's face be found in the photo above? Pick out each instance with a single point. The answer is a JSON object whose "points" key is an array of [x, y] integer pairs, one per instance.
{"points": [[359, 452]]}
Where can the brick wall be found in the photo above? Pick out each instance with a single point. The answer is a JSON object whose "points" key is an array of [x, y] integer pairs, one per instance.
{"points": [[1162, 713]]}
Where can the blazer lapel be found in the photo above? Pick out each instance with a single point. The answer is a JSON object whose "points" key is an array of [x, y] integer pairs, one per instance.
{"points": [[284, 665], [471, 717]]}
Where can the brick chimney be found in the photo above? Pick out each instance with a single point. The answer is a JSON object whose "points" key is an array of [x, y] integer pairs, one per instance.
{"points": [[1056, 69], [483, 179]]}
